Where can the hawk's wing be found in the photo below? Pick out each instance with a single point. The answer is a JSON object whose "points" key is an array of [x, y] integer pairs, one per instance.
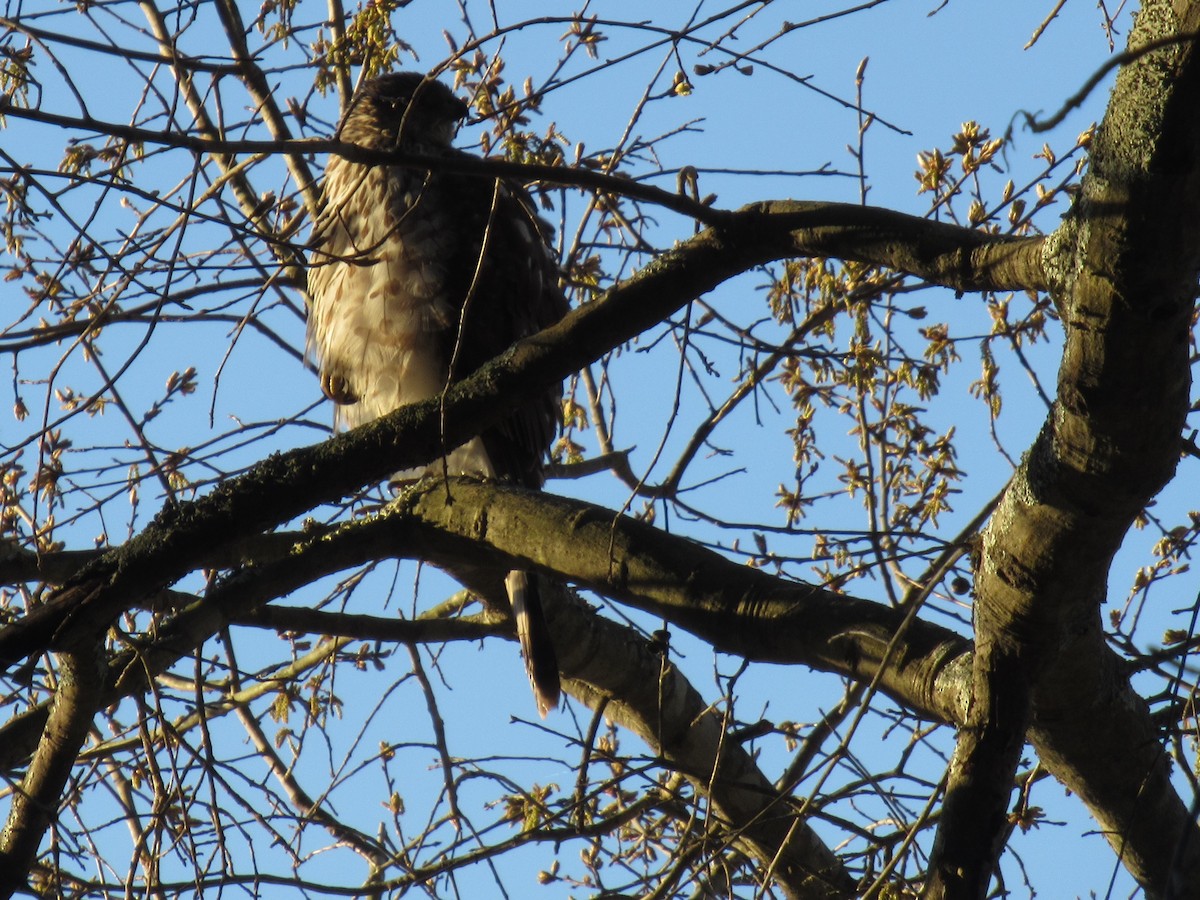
{"points": [[510, 281]]}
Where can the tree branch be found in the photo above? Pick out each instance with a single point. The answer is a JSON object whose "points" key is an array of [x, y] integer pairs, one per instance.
{"points": [[736, 609], [1124, 267], [35, 801]]}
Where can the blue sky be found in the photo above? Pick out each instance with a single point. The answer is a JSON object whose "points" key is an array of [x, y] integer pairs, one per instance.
{"points": [[930, 69]]}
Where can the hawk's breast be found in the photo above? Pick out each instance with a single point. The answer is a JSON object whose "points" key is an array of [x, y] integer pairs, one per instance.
{"points": [[378, 284]]}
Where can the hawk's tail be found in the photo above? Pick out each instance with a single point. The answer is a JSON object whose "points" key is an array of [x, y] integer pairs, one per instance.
{"points": [[541, 662]]}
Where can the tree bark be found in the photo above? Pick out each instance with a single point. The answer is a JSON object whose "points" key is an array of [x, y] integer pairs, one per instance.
{"points": [[1123, 270], [35, 800]]}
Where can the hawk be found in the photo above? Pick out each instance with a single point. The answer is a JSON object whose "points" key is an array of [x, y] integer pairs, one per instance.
{"points": [[416, 279]]}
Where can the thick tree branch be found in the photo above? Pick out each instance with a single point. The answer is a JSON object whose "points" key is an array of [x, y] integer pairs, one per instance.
{"points": [[1125, 265], [736, 609], [1136, 234], [35, 801], [942, 254]]}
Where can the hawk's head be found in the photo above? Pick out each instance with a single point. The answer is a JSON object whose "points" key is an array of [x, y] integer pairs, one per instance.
{"points": [[403, 110]]}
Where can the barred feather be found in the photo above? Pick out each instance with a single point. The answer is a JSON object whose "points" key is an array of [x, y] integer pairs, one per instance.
{"points": [[541, 663]]}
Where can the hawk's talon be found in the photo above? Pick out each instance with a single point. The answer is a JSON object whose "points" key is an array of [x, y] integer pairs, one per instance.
{"points": [[337, 389]]}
